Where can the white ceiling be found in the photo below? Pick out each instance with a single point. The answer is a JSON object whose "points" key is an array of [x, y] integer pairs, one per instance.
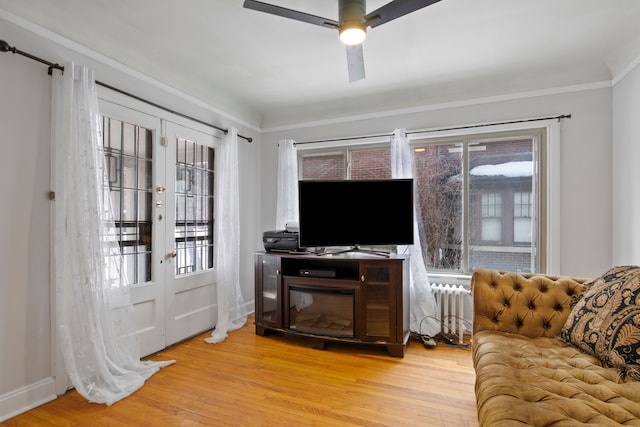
{"points": [[272, 71]]}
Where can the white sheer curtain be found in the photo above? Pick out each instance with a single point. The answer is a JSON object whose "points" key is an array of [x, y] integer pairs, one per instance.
{"points": [[232, 313], [95, 322], [287, 200], [424, 308], [287, 194]]}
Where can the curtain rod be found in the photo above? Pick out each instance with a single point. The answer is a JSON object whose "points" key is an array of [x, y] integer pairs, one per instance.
{"points": [[5, 47], [479, 125]]}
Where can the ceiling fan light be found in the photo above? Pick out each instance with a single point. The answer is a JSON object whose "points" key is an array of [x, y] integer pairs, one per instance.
{"points": [[352, 36]]}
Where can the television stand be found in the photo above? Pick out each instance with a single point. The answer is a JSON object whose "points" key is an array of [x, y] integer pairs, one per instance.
{"points": [[344, 298], [357, 248]]}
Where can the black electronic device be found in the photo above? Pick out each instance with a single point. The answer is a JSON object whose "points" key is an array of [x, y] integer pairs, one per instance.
{"points": [[281, 241], [331, 274], [356, 213]]}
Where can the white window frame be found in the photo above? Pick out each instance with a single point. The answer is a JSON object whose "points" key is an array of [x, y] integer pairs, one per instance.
{"points": [[549, 177]]}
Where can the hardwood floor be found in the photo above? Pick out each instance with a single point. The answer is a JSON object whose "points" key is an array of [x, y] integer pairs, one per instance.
{"points": [[279, 380]]}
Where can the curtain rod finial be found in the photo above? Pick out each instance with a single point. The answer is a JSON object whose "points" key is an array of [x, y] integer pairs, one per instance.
{"points": [[4, 46]]}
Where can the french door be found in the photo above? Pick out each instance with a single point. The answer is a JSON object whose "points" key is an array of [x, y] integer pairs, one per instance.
{"points": [[189, 262], [161, 179]]}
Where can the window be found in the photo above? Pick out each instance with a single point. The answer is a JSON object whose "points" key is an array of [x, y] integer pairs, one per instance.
{"points": [[370, 163], [194, 207], [324, 166], [491, 226], [479, 195], [479, 201], [346, 163], [128, 157], [522, 209]]}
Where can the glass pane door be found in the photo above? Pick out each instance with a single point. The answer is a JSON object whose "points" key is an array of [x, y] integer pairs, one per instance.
{"points": [[190, 267], [135, 163], [377, 300]]}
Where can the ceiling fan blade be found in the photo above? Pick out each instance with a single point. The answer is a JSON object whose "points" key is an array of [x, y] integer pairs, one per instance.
{"points": [[289, 13], [395, 9], [355, 62]]}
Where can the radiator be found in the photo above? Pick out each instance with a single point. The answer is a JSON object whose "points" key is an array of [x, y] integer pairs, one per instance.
{"points": [[451, 300]]}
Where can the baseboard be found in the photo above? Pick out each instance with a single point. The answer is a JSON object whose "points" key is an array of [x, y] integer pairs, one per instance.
{"points": [[21, 400]]}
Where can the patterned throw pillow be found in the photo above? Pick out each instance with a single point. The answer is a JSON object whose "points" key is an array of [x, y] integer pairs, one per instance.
{"points": [[606, 321], [576, 298]]}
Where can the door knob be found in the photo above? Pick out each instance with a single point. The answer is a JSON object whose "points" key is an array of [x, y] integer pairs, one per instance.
{"points": [[172, 254]]}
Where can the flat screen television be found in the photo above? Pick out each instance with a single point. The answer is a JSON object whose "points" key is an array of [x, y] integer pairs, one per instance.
{"points": [[355, 213]]}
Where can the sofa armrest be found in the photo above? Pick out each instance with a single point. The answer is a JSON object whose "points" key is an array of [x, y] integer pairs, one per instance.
{"points": [[533, 305]]}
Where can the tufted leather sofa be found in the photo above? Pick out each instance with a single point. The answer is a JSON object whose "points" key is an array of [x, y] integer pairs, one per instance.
{"points": [[524, 374]]}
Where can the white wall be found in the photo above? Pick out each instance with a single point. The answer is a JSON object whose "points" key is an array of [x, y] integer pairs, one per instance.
{"points": [[25, 319], [585, 161], [25, 331], [626, 170]]}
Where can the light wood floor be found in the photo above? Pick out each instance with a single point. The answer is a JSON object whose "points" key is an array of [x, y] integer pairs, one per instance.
{"points": [[275, 380]]}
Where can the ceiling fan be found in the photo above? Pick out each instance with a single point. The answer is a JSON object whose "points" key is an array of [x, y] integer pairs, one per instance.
{"points": [[352, 24]]}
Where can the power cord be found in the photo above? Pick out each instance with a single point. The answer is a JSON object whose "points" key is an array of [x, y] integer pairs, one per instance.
{"points": [[426, 340], [449, 339]]}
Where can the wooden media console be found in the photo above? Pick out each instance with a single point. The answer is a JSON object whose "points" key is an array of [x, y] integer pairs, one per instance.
{"points": [[353, 297]]}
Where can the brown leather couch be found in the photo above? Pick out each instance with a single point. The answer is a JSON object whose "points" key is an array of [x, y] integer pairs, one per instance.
{"points": [[525, 375]]}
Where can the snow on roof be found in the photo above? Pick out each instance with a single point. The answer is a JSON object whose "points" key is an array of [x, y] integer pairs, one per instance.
{"points": [[509, 169]]}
